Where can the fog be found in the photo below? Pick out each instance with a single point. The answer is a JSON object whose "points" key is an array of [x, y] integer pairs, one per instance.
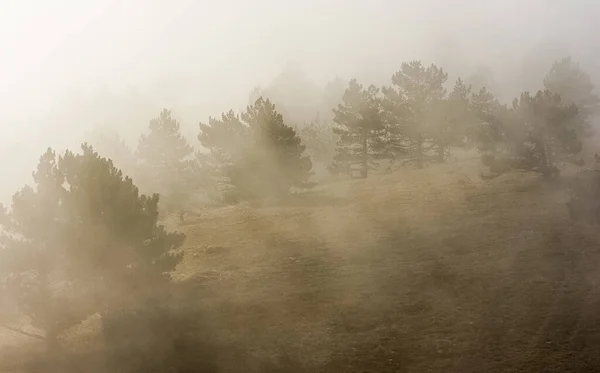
{"points": [[204, 57], [280, 246]]}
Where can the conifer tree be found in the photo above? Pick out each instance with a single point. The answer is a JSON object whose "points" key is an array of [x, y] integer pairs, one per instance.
{"points": [[82, 240], [359, 125], [567, 79], [535, 135], [488, 119], [452, 117], [228, 140], [256, 152], [166, 161], [415, 93]]}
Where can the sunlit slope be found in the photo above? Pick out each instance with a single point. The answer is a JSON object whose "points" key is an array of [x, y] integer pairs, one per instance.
{"points": [[413, 271], [416, 270]]}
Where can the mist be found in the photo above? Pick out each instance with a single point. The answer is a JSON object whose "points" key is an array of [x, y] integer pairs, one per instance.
{"points": [[315, 202], [70, 65]]}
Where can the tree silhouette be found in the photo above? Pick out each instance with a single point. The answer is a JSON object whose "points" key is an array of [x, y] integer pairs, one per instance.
{"points": [[256, 152], [488, 119], [535, 135], [359, 125], [82, 240], [452, 119], [227, 140], [567, 79], [166, 161], [411, 101]]}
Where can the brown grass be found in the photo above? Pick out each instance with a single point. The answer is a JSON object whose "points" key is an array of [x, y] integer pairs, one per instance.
{"points": [[427, 270]]}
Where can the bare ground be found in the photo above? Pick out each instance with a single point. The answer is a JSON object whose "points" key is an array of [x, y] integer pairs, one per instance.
{"points": [[418, 271]]}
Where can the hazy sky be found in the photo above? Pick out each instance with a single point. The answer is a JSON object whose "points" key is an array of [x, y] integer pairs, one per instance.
{"points": [[213, 52]]}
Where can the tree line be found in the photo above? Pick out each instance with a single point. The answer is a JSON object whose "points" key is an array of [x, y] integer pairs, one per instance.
{"points": [[83, 239], [415, 120]]}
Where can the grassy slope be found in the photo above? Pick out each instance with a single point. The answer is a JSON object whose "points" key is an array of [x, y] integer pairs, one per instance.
{"points": [[428, 270]]}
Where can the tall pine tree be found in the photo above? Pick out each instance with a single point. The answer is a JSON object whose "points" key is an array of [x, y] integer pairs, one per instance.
{"points": [[227, 140], [567, 79], [166, 161], [415, 93], [535, 134], [256, 152], [82, 240], [452, 118], [359, 125], [488, 119]]}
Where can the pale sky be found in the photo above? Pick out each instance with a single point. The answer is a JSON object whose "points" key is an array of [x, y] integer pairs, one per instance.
{"points": [[54, 52]]}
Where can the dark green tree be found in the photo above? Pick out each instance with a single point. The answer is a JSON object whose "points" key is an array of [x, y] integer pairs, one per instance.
{"points": [[567, 79], [256, 152], [452, 117], [82, 240], [536, 134], [227, 140], [488, 119], [359, 125], [411, 104], [166, 162]]}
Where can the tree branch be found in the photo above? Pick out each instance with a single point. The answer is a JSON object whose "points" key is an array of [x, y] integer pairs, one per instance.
{"points": [[16, 330]]}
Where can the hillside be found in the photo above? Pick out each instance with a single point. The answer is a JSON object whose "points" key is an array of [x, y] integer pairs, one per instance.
{"points": [[431, 270], [427, 270]]}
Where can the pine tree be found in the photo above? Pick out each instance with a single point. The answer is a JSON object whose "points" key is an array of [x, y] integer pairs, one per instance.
{"points": [[534, 135], [551, 134], [228, 140], [411, 101], [82, 240], [359, 125], [166, 161], [487, 120], [452, 119], [257, 152], [567, 79]]}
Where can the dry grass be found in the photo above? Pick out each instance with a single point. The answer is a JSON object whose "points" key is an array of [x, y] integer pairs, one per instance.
{"points": [[416, 271]]}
